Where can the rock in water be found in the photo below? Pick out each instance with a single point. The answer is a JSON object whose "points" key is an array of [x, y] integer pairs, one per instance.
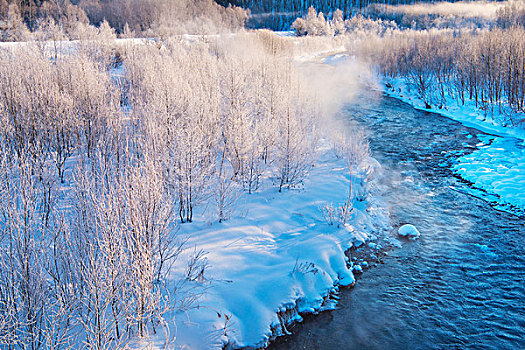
{"points": [[408, 231]]}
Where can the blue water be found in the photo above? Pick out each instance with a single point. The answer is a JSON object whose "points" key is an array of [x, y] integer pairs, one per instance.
{"points": [[462, 284]]}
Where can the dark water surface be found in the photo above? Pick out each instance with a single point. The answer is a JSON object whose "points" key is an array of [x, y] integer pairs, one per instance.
{"points": [[462, 284]]}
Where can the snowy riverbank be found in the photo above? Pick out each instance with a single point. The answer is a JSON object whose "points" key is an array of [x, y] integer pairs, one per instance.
{"points": [[279, 259], [496, 169]]}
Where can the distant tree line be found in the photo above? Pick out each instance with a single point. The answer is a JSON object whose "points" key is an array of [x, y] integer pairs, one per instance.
{"points": [[141, 15], [137, 17], [280, 14], [316, 24]]}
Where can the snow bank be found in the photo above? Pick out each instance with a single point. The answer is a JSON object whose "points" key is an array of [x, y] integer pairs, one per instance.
{"points": [[497, 167], [279, 260], [408, 231]]}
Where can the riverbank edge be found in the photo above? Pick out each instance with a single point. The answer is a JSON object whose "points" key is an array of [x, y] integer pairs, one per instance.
{"points": [[468, 115], [291, 313]]}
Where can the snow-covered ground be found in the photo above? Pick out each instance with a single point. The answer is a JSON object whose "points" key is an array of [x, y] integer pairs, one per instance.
{"points": [[496, 169], [277, 258]]}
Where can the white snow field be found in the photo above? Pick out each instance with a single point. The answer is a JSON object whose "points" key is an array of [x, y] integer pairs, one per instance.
{"points": [[277, 260], [497, 167]]}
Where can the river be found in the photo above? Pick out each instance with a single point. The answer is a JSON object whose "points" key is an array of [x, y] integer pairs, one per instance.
{"points": [[462, 284]]}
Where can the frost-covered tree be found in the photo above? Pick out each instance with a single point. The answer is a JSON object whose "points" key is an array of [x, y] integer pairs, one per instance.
{"points": [[98, 166]]}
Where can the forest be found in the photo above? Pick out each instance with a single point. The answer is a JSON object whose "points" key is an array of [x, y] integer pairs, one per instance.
{"points": [[108, 146]]}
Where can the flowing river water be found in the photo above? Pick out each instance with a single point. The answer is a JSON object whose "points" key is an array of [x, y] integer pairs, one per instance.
{"points": [[462, 284]]}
